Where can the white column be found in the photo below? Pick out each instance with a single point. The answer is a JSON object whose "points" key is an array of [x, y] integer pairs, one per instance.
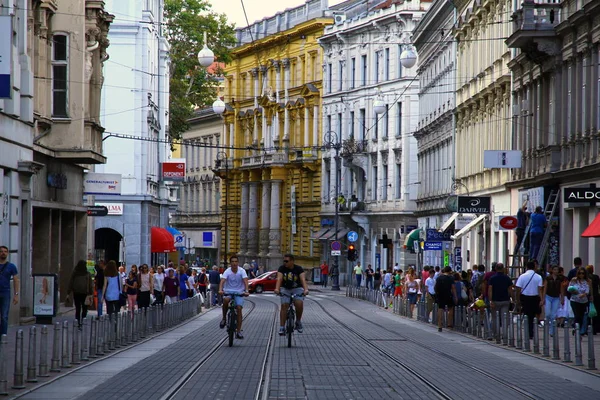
{"points": [[265, 218], [286, 74], [264, 138], [275, 232], [253, 219], [306, 126], [286, 124], [277, 66], [231, 135], [315, 125], [244, 220]]}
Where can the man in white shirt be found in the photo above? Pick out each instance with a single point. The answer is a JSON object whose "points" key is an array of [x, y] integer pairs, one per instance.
{"points": [[430, 295], [530, 287], [234, 284], [396, 268]]}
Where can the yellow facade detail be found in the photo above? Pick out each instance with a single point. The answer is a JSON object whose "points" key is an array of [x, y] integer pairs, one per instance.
{"points": [[272, 132]]}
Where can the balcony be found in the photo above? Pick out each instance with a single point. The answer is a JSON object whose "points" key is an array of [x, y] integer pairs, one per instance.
{"points": [[355, 153], [303, 156], [195, 219], [77, 142], [267, 159], [533, 28]]}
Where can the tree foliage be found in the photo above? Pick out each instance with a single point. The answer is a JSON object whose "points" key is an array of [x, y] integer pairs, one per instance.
{"points": [[191, 85]]}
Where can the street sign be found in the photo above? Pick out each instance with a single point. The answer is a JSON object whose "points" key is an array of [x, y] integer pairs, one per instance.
{"points": [[336, 246], [433, 245], [336, 252], [97, 211], [179, 240], [352, 236]]}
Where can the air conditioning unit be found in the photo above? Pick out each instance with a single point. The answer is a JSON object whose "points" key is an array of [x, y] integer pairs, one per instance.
{"points": [[339, 18]]}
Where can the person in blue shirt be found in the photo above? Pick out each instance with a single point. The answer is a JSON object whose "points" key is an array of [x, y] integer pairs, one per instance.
{"points": [[522, 218], [536, 231], [183, 283], [8, 270]]}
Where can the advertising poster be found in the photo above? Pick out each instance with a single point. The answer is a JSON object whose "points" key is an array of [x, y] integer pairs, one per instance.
{"points": [[44, 293]]}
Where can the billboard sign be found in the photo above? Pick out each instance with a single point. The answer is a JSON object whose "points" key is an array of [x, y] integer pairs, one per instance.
{"points": [[173, 170], [45, 295], [96, 183]]}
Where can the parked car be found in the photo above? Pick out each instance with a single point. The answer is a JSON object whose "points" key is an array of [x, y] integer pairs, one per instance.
{"points": [[264, 282]]}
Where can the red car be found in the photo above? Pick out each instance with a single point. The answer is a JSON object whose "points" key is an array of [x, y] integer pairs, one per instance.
{"points": [[264, 282]]}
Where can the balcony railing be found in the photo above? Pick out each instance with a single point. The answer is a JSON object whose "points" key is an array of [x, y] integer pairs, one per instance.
{"points": [[352, 146], [309, 155], [535, 19], [265, 159], [196, 218]]}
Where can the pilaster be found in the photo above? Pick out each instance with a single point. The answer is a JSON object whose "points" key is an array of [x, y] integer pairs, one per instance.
{"points": [[252, 219], [275, 229], [265, 216], [244, 219]]}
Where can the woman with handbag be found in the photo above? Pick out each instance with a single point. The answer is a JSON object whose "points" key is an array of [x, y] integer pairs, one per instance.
{"points": [[80, 287], [581, 295], [144, 282], [112, 288]]}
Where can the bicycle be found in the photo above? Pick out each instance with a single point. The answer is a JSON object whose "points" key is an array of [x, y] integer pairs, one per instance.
{"points": [[290, 322], [232, 317]]}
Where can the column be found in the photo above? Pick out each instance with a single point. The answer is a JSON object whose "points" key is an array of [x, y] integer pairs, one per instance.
{"points": [[275, 231], [253, 219], [231, 137], [244, 220], [277, 65], [306, 126], [265, 218], [254, 73], [286, 76], [315, 126]]}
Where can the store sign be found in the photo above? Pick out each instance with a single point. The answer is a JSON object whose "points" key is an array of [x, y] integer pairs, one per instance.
{"points": [[507, 223], [95, 183], [458, 259], [433, 246], [434, 236], [6, 48], [474, 205], [173, 171], [113, 208], [581, 195], [462, 220], [293, 207]]}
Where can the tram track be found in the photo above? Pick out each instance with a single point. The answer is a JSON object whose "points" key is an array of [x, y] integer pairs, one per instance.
{"points": [[422, 345]]}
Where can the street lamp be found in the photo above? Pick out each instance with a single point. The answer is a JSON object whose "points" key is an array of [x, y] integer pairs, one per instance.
{"points": [[408, 57], [218, 107], [222, 156], [331, 141], [206, 56]]}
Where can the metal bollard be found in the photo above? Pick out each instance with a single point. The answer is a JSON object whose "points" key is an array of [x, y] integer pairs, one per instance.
{"points": [[18, 373], [76, 352], [555, 342], [93, 337], [3, 363], [43, 369], [55, 360], [100, 336], [112, 332], [85, 340], [118, 329], [526, 338], [567, 352], [65, 345], [487, 321], [578, 355], [476, 323], [32, 355], [511, 330], [497, 334], [591, 355], [546, 340], [519, 333], [536, 337], [105, 332], [123, 328], [505, 329]]}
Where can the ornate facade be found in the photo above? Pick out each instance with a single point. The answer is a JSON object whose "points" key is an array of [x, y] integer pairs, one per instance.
{"points": [[272, 173]]}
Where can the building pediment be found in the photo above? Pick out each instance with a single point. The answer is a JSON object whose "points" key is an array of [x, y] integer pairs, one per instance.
{"points": [[309, 90]]}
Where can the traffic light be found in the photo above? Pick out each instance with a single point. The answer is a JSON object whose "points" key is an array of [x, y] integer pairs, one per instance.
{"points": [[352, 256]]}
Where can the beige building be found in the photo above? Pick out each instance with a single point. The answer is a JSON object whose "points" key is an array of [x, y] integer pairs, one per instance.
{"points": [[198, 215], [483, 120], [556, 72]]}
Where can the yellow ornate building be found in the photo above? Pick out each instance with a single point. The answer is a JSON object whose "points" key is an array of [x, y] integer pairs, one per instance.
{"points": [[483, 120], [272, 175]]}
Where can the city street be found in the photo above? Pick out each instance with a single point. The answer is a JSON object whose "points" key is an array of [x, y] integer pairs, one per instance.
{"points": [[349, 349]]}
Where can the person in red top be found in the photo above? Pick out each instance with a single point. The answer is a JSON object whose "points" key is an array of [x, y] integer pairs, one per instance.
{"points": [[324, 273], [486, 282], [425, 274]]}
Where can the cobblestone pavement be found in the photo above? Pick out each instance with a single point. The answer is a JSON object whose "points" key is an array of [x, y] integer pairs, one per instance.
{"points": [[349, 349]]}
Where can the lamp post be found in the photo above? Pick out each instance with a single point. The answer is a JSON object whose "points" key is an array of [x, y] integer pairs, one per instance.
{"points": [[222, 156], [331, 141]]}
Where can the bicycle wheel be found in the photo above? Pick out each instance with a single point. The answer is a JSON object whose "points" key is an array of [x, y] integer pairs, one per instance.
{"points": [[231, 326], [291, 320]]}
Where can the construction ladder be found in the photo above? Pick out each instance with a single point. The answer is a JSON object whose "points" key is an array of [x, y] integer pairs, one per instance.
{"points": [[549, 212]]}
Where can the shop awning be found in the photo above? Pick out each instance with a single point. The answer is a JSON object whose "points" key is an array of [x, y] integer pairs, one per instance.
{"points": [[448, 223], [161, 240], [341, 234], [317, 235], [173, 231], [593, 230], [413, 235], [470, 226]]}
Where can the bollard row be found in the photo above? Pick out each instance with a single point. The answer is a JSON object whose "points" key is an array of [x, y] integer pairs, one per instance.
{"points": [[507, 329], [73, 344]]}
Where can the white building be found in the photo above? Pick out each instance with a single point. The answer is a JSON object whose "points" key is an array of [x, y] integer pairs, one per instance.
{"points": [[435, 131], [378, 167], [135, 102]]}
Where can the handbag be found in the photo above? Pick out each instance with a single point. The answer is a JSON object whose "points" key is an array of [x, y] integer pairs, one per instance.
{"points": [[89, 300], [592, 313]]}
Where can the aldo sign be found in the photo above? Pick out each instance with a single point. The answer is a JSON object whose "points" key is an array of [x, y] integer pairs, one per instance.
{"points": [[581, 195]]}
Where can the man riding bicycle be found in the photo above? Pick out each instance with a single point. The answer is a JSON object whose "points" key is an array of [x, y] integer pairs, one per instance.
{"points": [[234, 281], [291, 281]]}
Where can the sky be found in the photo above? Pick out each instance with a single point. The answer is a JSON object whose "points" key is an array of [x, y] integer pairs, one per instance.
{"points": [[256, 9]]}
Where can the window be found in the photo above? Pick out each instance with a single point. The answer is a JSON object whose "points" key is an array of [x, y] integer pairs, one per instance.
{"points": [[341, 76], [363, 75], [399, 120], [385, 119], [398, 180], [353, 76], [60, 76], [329, 73], [398, 63], [384, 186], [387, 64], [376, 72], [374, 183], [327, 181], [339, 125], [351, 133], [328, 123], [375, 126], [361, 123]]}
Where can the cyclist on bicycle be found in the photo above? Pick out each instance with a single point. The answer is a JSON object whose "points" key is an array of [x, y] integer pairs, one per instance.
{"points": [[234, 281], [291, 280]]}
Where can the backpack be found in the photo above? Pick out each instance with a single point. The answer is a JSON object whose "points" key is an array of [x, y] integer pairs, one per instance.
{"points": [[478, 285], [463, 291], [202, 279], [81, 284]]}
